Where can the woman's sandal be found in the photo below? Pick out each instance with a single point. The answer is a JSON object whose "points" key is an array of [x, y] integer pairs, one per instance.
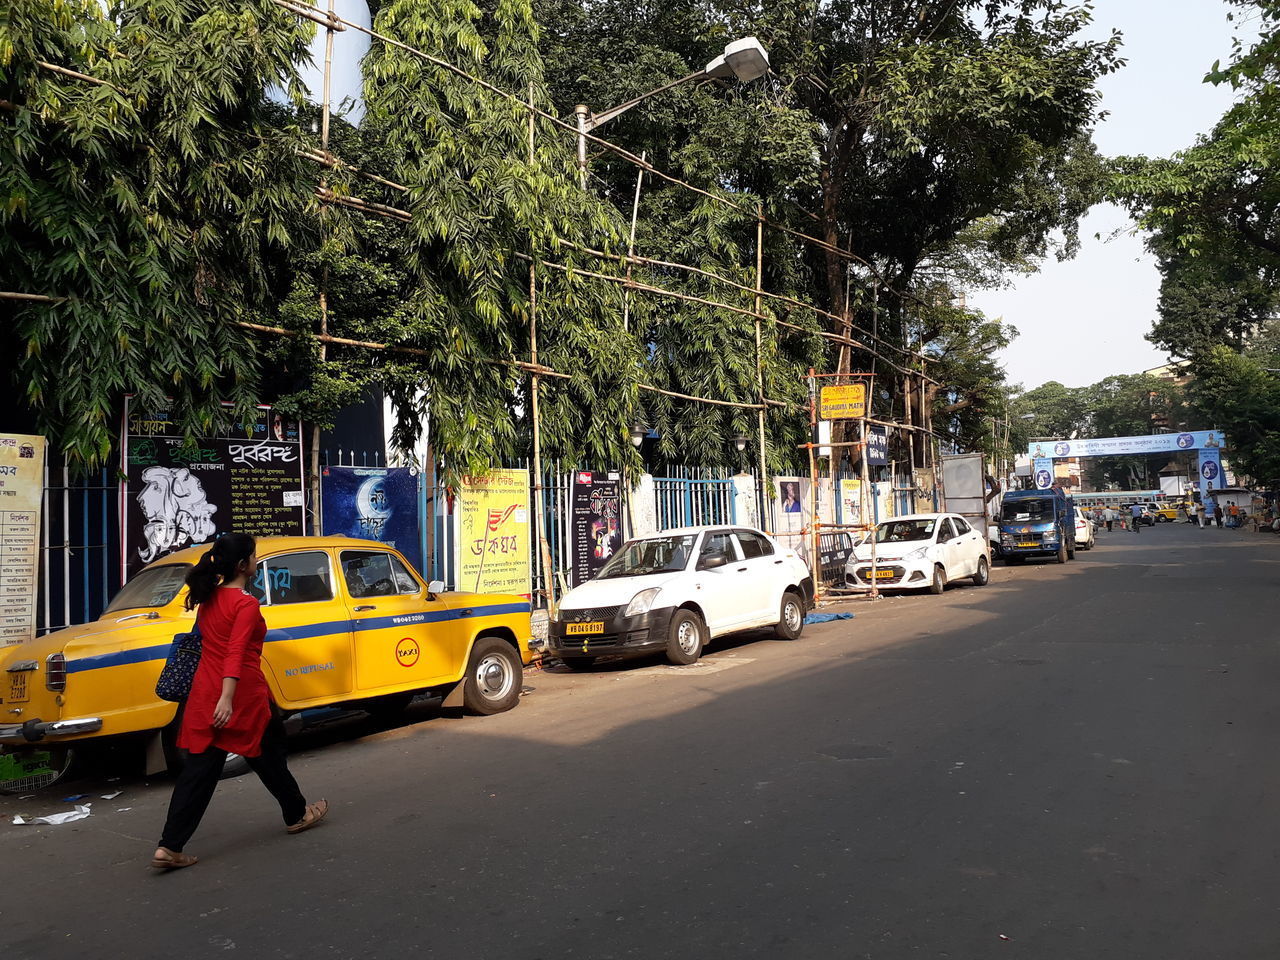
{"points": [[315, 813], [172, 860]]}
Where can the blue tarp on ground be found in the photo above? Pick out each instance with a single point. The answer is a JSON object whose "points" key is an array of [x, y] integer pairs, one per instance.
{"points": [[827, 617]]}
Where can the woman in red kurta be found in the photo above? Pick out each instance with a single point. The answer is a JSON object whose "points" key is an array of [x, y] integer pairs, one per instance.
{"points": [[229, 707]]}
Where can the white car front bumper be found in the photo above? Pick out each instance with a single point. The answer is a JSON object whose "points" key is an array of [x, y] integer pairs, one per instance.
{"points": [[897, 573]]}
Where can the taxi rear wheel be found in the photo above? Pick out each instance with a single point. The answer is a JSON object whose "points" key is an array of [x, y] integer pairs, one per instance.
{"points": [[494, 677]]}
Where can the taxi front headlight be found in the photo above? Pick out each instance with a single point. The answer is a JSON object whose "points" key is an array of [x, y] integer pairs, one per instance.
{"points": [[642, 602], [919, 554]]}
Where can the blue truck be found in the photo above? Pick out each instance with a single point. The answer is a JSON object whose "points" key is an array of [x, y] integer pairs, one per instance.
{"points": [[1037, 523]]}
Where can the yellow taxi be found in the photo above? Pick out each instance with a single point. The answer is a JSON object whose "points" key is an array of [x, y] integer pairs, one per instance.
{"points": [[1162, 512], [348, 622]]}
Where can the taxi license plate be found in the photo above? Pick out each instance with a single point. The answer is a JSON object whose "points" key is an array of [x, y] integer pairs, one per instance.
{"points": [[581, 629], [18, 688], [884, 574], [1030, 543]]}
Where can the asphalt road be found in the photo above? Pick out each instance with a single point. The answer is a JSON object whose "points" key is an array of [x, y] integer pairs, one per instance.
{"points": [[1079, 758]]}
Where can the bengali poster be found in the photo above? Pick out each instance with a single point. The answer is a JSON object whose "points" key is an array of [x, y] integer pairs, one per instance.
{"points": [[596, 511], [21, 487], [175, 495], [493, 533], [373, 503]]}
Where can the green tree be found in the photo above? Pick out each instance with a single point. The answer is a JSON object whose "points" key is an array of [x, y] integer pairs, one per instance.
{"points": [[1214, 215], [940, 143], [480, 206], [1242, 398], [156, 206]]}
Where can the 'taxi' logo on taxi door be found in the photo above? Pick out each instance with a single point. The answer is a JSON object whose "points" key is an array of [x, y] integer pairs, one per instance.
{"points": [[407, 652]]}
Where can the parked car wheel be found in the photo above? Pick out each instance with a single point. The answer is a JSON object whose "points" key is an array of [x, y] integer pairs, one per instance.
{"points": [[939, 582], [684, 644], [790, 617], [983, 576], [1061, 555], [494, 677]]}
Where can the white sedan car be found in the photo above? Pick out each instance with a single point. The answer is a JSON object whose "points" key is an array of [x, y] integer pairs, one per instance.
{"points": [[677, 590], [1085, 535], [918, 551]]}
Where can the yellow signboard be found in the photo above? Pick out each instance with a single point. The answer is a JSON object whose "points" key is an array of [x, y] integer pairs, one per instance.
{"points": [[493, 533], [21, 488], [847, 401]]}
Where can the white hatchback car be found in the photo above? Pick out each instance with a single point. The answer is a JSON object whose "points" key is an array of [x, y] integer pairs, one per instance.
{"points": [[677, 590], [921, 550]]}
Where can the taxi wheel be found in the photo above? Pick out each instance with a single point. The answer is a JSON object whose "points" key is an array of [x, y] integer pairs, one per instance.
{"points": [[790, 618], [939, 582], [685, 639], [494, 677], [983, 576]]}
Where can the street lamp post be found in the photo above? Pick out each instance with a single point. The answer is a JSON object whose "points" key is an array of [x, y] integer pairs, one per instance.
{"points": [[744, 59]]}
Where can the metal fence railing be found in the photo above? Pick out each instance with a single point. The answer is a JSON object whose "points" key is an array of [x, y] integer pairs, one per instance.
{"points": [[695, 498]]}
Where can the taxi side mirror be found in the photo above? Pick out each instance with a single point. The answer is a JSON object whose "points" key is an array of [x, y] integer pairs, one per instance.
{"points": [[434, 587], [713, 561]]}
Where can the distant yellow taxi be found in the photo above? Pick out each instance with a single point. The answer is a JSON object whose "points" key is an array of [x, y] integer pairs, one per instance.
{"points": [[348, 622]]}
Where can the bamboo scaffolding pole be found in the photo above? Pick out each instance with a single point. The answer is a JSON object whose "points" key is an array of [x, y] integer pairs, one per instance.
{"points": [[317, 514], [77, 75], [535, 390], [325, 195], [32, 297], [631, 247], [761, 434]]}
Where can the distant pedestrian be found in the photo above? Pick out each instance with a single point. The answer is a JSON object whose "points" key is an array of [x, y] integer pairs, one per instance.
{"points": [[1217, 515], [1200, 512], [229, 707], [1109, 516], [1136, 516]]}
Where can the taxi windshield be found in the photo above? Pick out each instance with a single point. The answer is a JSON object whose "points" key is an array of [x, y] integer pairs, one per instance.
{"points": [[642, 557], [902, 531], [153, 587]]}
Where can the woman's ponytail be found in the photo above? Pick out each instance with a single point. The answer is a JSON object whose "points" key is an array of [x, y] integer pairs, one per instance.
{"points": [[220, 563]]}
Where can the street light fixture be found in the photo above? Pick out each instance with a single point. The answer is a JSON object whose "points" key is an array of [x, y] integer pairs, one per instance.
{"points": [[745, 60], [740, 443], [638, 433]]}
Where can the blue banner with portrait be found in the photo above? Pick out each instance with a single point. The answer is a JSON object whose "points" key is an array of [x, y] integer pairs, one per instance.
{"points": [[373, 503], [1211, 470], [1042, 472]]}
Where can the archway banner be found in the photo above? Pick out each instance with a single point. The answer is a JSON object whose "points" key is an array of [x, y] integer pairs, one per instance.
{"points": [[1123, 446]]}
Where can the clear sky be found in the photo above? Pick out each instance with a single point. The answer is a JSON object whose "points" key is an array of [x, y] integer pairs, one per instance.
{"points": [[1085, 319]]}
